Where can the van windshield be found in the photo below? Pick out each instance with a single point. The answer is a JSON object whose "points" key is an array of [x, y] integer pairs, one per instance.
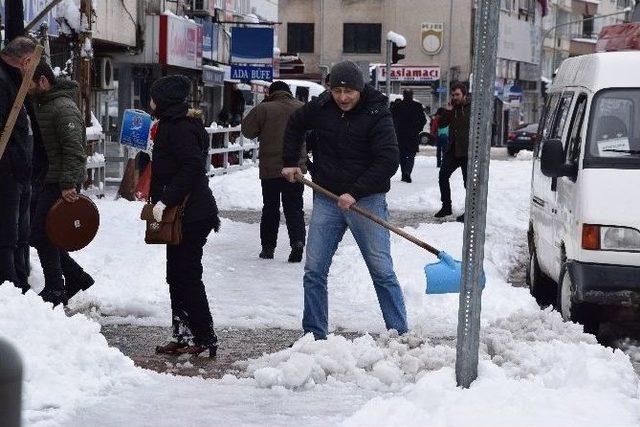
{"points": [[614, 134]]}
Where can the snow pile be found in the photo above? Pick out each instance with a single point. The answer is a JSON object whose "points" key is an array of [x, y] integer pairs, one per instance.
{"points": [[384, 364], [94, 131], [534, 370], [524, 155], [67, 13], [67, 361]]}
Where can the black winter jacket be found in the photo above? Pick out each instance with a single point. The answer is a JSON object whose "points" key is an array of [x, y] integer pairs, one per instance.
{"points": [[355, 152], [409, 119], [179, 164], [17, 158]]}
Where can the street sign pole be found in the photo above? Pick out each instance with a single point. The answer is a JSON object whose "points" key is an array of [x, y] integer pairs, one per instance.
{"points": [[484, 69], [388, 77]]}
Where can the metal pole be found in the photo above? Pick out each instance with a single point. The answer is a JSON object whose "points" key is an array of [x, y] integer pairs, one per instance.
{"points": [[484, 70], [447, 85], [10, 385], [86, 55], [388, 77]]}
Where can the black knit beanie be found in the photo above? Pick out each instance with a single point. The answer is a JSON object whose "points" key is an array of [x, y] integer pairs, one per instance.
{"points": [[346, 74], [279, 85], [170, 90]]}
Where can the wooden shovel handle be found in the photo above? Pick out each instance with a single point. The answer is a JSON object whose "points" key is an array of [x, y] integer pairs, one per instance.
{"points": [[19, 101], [365, 213]]}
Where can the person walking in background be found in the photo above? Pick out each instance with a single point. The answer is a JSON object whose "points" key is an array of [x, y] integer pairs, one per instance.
{"points": [[179, 173], [457, 118], [409, 120], [267, 122], [64, 139], [15, 167], [439, 134], [355, 156]]}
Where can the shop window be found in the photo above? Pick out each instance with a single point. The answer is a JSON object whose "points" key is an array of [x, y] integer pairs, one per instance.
{"points": [[361, 38], [300, 38]]}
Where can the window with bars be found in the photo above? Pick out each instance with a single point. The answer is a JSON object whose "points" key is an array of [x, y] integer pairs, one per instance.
{"points": [[300, 37], [361, 38]]}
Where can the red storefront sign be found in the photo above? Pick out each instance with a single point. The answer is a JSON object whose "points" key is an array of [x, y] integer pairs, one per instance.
{"points": [[180, 42], [409, 73]]}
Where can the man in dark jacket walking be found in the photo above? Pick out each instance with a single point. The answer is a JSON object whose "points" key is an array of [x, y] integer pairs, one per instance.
{"points": [[267, 122], [15, 167], [409, 120], [355, 156], [457, 118], [64, 139]]}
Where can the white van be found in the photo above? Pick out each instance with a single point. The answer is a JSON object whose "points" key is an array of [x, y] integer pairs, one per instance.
{"points": [[584, 232]]}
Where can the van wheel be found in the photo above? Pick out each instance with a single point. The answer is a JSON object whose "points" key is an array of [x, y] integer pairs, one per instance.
{"points": [[541, 287], [585, 314]]}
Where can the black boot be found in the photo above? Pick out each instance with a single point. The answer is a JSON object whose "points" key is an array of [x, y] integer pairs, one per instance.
{"points": [[445, 211], [267, 253], [296, 252], [76, 284], [54, 296], [460, 218]]}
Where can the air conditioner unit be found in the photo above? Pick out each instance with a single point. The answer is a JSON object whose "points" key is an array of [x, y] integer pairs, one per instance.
{"points": [[103, 74], [202, 7]]}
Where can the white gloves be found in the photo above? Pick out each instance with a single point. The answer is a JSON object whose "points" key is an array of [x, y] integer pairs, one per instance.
{"points": [[157, 211]]}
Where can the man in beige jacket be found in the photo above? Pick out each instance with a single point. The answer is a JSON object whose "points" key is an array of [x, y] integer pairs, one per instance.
{"points": [[267, 122]]}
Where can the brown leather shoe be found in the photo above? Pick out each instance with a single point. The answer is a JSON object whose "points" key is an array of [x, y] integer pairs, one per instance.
{"points": [[172, 347], [197, 350]]}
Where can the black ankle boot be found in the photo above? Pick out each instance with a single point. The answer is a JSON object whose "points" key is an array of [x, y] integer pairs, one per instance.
{"points": [[445, 211], [296, 252], [267, 253]]}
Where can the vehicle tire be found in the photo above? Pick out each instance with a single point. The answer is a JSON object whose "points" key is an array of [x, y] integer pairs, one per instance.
{"points": [[512, 152], [541, 287], [585, 314], [425, 139]]}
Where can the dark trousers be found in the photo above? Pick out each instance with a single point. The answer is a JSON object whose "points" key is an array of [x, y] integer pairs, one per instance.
{"points": [[441, 148], [291, 193], [14, 231], [57, 265], [407, 160], [449, 165], [191, 317]]}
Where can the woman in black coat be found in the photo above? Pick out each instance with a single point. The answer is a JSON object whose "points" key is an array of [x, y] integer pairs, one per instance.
{"points": [[179, 171]]}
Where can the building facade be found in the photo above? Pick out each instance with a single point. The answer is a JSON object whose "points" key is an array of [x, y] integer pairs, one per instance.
{"points": [[438, 33]]}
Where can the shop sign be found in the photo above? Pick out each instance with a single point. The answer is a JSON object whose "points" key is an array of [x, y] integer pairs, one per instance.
{"points": [[180, 42], [252, 54], [409, 73], [246, 73], [212, 77]]}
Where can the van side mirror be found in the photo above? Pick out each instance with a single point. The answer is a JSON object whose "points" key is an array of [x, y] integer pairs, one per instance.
{"points": [[552, 160]]}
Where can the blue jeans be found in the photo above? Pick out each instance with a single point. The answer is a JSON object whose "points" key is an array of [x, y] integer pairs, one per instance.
{"points": [[328, 225]]}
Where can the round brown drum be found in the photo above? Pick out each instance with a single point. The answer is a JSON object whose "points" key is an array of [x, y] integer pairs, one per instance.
{"points": [[72, 226]]}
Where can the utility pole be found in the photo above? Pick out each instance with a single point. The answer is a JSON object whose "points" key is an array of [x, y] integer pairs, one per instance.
{"points": [[484, 72], [387, 80], [85, 56]]}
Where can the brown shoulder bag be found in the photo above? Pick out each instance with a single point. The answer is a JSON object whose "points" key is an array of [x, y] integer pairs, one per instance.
{"points": [[169, 230]]}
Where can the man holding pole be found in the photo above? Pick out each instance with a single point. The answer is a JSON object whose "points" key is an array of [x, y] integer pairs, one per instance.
{"points": [[355, 156], [15, 167]]}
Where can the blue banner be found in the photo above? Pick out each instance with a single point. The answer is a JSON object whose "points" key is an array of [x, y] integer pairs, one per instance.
{"points": [[134, 131], [252, 45], [246, 73]]}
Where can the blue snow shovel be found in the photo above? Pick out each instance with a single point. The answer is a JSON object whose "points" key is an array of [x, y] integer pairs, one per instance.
{"points": [[442, 276]]}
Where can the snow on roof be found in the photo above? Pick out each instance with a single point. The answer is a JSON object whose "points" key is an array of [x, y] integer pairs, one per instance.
{"points": [[213, 67], [584, 40], [67, 13], [396, 38], [599, 71], [95, 130]]}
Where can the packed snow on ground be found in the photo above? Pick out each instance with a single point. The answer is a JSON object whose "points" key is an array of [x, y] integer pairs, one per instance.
{"points": [[534, 368]]}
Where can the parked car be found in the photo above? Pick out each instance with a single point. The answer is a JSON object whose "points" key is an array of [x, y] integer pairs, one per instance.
{"points": [[523, 138], [584, 230]]}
